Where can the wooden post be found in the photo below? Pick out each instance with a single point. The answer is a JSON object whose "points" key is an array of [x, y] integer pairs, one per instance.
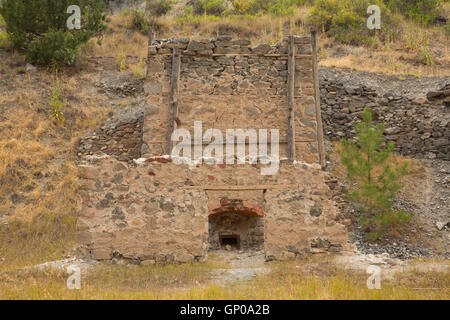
{"points": [[149, 37], [173, 99], [317, 99], [290, 99]]}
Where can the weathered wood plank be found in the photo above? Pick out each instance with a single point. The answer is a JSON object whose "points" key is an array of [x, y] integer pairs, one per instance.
{"points": [[268, 55], [290, 99], [317, 101], [248, 187], [173, 99]]}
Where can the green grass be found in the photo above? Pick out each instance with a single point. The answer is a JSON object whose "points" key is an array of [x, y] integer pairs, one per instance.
{"points": [[3, 39]]}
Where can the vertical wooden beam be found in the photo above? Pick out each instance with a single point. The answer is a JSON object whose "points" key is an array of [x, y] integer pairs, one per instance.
{"points": [[173, 99], [290, 99], [149, 36], [317, 99]]}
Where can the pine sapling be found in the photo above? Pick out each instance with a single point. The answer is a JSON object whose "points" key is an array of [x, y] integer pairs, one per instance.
{"points": [[377, 182]]}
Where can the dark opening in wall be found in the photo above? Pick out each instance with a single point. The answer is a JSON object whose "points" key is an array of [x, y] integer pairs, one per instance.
{"points": [[233, 240]]}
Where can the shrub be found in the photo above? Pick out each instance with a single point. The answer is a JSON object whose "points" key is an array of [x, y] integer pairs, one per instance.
{"points": [[159, 7], [138, 21], [346, 21], [447, 29], [56, 102], [122, 61], [424, 11], [139, 70], [4, 41], [366, 163], [39, 28], [208, 7], [274, 7], [427, 55]]}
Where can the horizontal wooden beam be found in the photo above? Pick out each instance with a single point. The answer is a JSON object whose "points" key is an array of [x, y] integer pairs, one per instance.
{"points": [[269, 55], [224, 144], [242, 187]]}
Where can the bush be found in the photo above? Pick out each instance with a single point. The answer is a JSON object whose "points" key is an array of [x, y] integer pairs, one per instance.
{"points": [[56, 102], [274, 7], [208, 7], [346, 20], [39, 29], [159, 7], [4, 41], [424, 11], [138, 21], [447, 29], [366, 163]]}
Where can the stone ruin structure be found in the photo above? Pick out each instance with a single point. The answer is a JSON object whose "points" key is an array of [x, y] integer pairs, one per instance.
{"points": [[138, 204]]}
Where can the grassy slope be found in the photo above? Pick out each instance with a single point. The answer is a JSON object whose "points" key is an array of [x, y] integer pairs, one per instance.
{"points": [[405, 55], [317, 278]]}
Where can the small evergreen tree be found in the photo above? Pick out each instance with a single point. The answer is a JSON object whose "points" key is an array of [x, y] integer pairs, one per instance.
{"points": [[367, 164], [39, 28]]}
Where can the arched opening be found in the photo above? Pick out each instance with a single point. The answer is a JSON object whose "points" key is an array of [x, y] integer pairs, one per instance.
{"points": [[236, 225]]}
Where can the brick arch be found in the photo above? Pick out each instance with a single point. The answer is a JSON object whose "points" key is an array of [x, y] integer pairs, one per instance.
{"points": [[242, 207]]}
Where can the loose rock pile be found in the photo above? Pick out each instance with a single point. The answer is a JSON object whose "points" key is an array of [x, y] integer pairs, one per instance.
{"points": [[120, 136]]}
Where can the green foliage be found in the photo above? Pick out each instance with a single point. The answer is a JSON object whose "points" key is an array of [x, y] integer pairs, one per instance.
{"points": [[424, 11], [56, 47], [4, 41], [139, 71], [366, 163], [122, 61], [209, 7], [273, 7], [346, 21], [246, 7], [56, 102], [39, 28], [447, 29], [159, 7], [427, 56], [138, 21], [190, 18]]}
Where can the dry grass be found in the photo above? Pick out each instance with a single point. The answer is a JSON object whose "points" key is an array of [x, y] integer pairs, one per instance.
{"points": [[258, 29], [38, 187], [407, 55], [119, 37], [318, 279]]}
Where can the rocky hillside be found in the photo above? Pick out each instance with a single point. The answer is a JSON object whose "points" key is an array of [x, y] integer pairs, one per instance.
{"points": [[416, 111]]}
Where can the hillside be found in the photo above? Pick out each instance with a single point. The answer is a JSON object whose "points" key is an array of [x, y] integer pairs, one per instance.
{"points": [[39, 192]]}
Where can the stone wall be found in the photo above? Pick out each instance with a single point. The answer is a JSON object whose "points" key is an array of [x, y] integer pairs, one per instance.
{"points": [[228, 84], [154, 210], [151, 209], [120, 136], [418, 126]]}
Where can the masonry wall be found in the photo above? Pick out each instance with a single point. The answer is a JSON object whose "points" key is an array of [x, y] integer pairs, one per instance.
{"points": [[151, 209], [158, 211], [227, 84], [418, 126]]}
